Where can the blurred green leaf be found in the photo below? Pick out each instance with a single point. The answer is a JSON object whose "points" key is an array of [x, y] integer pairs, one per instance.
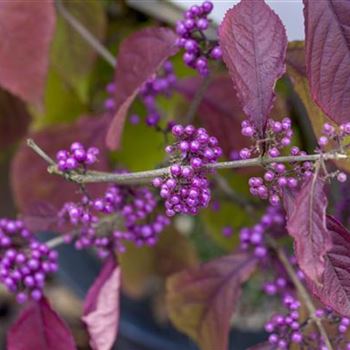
{"points": [[142, 146], [61, 104], [141, 265], [71, 56], [229, 214]]}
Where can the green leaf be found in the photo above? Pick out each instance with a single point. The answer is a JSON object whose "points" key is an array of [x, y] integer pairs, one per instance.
{"points": [[142, 146], [61, 104], [71, 56], [140, 266], [229, 214]]}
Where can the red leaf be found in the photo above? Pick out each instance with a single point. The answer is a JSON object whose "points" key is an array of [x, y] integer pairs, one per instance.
{"points": [[327, 39], [307, 225], [140, 56], [31, 183], [101, 308], [254, 43], [39, 327], [219, 110], [335, 289], [201, 301], [25, 34], [14, 119]]}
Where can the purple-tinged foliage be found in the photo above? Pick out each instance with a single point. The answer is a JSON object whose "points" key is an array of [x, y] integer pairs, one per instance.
{"points": [[307, 225], [39, 327], [25, 35], [140, 56], [253, 41], [334, 291], [101, 307], [201, 301], [327, 49]]}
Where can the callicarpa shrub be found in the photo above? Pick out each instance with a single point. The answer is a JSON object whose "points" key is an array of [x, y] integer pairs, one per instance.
{"points": [[233, 132]]}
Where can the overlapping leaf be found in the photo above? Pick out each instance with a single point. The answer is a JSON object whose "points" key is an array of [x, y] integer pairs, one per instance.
{"points": [[307, 225], [26, 30], [296, 70], [254, 43], [31, 183], [39, 327], [140, 56], [335, 288], [327, 47], [201, 301], [101, 307]]}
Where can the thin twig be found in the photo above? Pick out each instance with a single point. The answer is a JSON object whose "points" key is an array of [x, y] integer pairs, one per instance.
{"points": [[40, 152], [303, 293], [147, 176], [197, 99], [86, 35]]}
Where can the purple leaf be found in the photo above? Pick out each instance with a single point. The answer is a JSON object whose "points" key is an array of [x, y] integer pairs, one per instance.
{"points": [[101, 307], [254, 43], [14, 119], [39, 327], [90, 131], [201, 301], [327, 39], [307, 225], [26, 31], [335, 289], [140, 56]]}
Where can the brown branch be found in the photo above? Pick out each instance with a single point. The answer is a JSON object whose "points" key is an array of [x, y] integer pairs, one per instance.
{"points": [[147, 176]]}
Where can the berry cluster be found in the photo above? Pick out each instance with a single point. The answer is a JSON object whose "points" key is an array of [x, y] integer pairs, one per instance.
{"points": [[192, 38], [186, 188], [161, 84], [286, 329], [25, 262], [76, 158], [252, 238], [122, 214], [277, 175]]}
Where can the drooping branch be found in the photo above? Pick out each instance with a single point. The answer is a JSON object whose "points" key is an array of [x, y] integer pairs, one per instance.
{"points": [[146, 176]]}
